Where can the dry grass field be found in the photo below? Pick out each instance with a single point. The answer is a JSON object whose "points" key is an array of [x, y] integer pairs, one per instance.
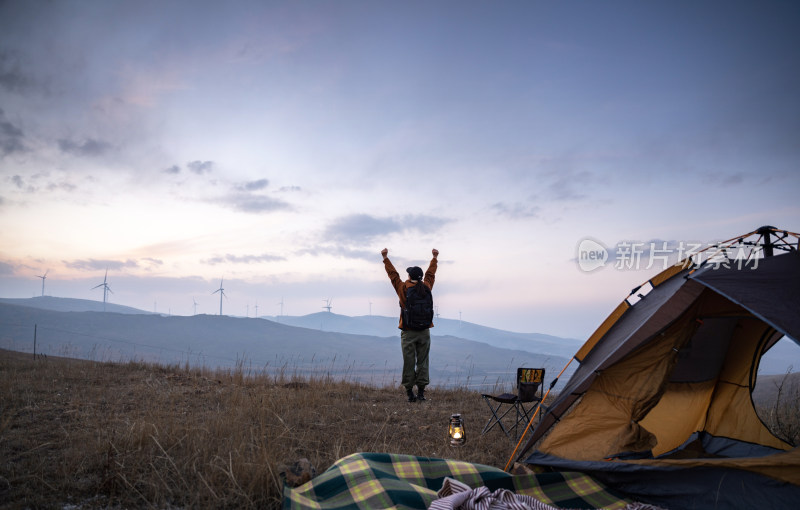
{"points": [[82, 434]]}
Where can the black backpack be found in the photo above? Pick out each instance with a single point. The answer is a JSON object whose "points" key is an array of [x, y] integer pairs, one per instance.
{"points": [[418, 313]]}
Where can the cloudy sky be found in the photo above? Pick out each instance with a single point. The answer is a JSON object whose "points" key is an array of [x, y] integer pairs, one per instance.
{"points": [[281, 145]]}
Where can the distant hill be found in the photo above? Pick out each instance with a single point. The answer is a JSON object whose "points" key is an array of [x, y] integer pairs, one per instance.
{"points": [[256, 345], [377, 325], [768, 387], [71, 305]]}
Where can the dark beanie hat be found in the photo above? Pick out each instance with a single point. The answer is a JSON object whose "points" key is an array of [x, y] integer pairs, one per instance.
{"points": [[415, 273]]}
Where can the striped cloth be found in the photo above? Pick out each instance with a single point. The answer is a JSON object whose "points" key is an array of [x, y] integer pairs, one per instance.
{"points": [[455, 495], [368, 481]]}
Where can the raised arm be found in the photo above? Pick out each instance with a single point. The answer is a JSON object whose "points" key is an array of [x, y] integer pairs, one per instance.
{"points": [[394, 276], [430, 274]]}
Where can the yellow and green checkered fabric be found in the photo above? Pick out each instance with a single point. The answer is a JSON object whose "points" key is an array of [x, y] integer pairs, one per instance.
{"points": [[385, 480]]}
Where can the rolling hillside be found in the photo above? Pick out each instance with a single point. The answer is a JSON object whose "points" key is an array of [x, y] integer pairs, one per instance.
{"points": [[258, 344], [376, 325], [70, 305]]}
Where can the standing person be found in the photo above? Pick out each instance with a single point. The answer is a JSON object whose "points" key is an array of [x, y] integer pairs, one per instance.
{"points": [[414, 340]]}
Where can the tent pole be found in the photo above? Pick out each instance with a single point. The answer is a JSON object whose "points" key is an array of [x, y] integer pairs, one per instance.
{"points": [[533, 417], [765, 233]]}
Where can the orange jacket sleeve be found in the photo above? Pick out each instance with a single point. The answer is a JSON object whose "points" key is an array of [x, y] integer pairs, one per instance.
{"points": [[394, 277], [430, 274]]}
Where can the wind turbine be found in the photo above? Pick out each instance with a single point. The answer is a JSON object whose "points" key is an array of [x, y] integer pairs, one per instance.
{"points": [[106, 289], [43, 277], [256, 308], [281, 303], [327, 304], [221, 293], [194, 303]]}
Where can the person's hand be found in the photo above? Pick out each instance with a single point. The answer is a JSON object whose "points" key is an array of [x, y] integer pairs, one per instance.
{"points": [[384, 252], [435, 253]]}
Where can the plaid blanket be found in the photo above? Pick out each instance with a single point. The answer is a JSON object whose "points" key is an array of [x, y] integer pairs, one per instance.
{"points": [[385, 480]]}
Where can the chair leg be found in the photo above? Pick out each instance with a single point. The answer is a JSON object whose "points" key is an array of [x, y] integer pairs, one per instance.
{"points": [[495, 419], [526, 413]]}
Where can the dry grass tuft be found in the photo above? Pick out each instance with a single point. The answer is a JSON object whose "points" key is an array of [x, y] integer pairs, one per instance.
{"points": [[86, 434], [781, 414]]}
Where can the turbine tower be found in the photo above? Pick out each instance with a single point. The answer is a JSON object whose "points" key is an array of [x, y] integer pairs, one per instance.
{"points": [[106, 289], [281, 303], [194, 304], [327, 304], [43, 277], [221, 293]]}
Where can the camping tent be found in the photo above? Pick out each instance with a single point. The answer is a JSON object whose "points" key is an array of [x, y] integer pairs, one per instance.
{"points": [[660, 407]]}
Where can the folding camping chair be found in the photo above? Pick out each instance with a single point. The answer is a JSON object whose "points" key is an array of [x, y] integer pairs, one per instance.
{"points": [[529, 392]]}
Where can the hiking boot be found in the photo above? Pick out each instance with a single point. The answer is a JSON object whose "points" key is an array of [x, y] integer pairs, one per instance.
{"points": [[411, 396], [421, 394]]}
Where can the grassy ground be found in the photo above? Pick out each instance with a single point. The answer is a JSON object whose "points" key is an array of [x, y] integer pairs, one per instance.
{"points": [[82, 434]]}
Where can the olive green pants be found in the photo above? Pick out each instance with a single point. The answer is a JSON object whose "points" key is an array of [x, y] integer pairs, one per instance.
{"points": [[416, 346]]}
